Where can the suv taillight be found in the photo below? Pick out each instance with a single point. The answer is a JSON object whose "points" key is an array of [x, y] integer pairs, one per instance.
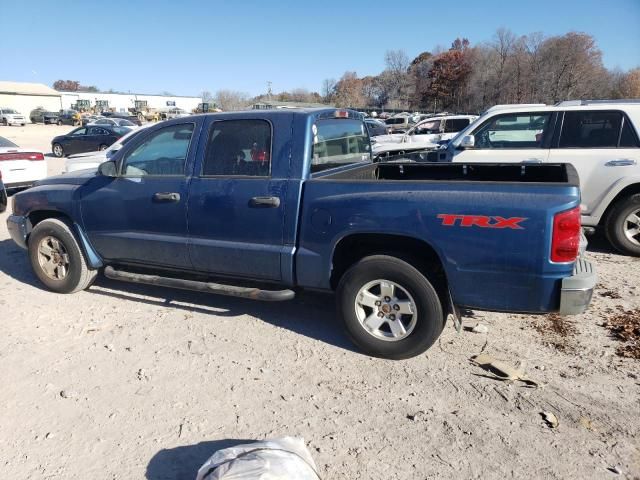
{"points": [[565, 240]]}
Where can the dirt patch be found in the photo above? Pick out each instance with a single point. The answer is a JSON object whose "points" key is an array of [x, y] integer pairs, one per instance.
{"points": [[610, 294], [624, 326], [557, 330]]}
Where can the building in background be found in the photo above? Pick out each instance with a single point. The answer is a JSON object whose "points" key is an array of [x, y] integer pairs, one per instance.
{"points": [[24, 97], [122, 102]]}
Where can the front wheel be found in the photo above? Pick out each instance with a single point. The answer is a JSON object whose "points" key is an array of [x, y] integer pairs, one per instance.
{"points": [[623, 226], [56, 257], [58, 151], [389, 308]]}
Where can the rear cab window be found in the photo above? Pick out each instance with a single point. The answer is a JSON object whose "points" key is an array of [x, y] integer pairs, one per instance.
{"points": [[339, 142]]}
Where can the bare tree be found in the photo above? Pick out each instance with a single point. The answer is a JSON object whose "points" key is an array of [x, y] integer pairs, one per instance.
{"points": [[396, 79], [231, 100], [206, 96], [328, 87]]}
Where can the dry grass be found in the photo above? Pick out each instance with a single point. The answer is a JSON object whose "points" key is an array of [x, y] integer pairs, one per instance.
{"points": [[557, 330], [624, 326]]}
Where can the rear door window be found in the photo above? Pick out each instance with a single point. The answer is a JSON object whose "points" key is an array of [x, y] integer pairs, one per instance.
{"points": [[238, 148], [338, 142], [595, 129], [454, 125]]}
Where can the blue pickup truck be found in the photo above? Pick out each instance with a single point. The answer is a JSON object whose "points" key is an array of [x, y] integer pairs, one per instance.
{"points": [[260, 204]]}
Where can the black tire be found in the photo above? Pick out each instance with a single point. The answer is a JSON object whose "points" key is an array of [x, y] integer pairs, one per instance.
{"points": [[5, 122], [78, 275], [59, 123], [616, 225], [56, 152], [429, 314], [102, 147], [22, 124]]}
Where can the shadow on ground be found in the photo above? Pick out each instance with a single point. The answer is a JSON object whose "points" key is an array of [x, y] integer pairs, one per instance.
{"points": [[598, 243], [310, 314], [183, 462]]}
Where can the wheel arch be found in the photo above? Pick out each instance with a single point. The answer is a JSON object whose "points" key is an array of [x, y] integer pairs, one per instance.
{"points": [[626, 192], [356, 246], [91, 256]]}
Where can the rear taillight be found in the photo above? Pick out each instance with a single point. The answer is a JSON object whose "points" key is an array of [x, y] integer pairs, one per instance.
{"points": [[21, 156], [565, 240]]}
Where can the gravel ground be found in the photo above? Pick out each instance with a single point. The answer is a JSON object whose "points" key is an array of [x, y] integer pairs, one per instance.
{"points": [[129, 382]]}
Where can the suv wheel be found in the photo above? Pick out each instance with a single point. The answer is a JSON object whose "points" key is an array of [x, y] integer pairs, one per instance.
{"points": [[623, 225], [389, 308], [56, 257]]}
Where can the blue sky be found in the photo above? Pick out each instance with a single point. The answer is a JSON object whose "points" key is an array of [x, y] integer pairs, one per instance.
{"points": [[186, 46]]}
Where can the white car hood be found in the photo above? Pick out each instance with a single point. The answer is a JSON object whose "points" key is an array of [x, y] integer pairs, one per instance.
{"points": [[397, 146]]}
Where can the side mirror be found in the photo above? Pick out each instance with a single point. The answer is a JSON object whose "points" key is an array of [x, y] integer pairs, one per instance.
{"points": [[468, 141], [108, 169]]}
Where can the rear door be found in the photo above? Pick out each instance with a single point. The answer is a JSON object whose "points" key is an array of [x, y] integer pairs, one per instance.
{"points": [[236, 198], [511, 137], [602, 145], [140, 216]]}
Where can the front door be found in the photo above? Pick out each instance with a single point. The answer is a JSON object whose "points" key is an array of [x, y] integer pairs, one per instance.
{"points": [[140, 216], [602, 146], [510, 137], [236, 200]]}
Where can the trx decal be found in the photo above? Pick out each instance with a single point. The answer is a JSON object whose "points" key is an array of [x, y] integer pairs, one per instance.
{"points": [[450, 220]]}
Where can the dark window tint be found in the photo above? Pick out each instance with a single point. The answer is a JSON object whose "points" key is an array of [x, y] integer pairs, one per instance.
{"points": [[239, 147], [79, 131], [6, 143], [339, 142], [455, 125], [590, 129], [628, 137], [519, 130], [162, 153], [97, 131]]}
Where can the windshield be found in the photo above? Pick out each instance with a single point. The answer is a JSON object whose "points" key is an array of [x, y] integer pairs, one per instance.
{"points": [[9, 110], [338, 142], [121, 130], [126, 123], [4, 143]]}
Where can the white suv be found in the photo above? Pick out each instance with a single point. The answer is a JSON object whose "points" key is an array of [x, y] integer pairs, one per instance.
{"points": [[8, 116], [600, 139]]}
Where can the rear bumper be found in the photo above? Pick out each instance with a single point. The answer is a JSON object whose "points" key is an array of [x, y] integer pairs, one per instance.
{"points": [[576, 291], [18, 229]]}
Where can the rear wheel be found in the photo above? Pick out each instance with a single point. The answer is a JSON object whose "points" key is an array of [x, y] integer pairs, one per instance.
{"points": [[623, 226], [389, 308], [102, 147], [57, 149], [56, 257], [59, 122], [5, 122]]}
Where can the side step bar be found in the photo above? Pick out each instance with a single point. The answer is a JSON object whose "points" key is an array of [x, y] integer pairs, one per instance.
{"points": [[207, 287]]}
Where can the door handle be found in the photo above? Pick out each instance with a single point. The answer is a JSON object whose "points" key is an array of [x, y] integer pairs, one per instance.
{"points": [[622, 162], [532, 160], [264, 202], [166, 197]]}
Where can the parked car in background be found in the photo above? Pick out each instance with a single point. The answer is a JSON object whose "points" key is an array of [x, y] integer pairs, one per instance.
{"points": [[600, 138], [114, 122], [40, 115], [127, 116], [427, 134], [191, 200], [398, 124], [91, 160], [20, 167], [69, 117], [9, 116], [87, 139], [375, 127], [3, 195], [173, 112], [87, 119]]}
